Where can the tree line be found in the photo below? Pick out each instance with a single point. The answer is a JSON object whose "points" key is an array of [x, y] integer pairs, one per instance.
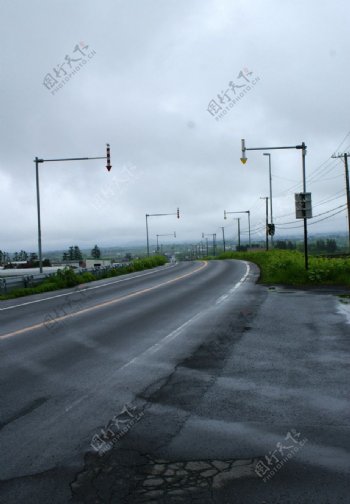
{"points": [[74, 253], [5, 257]]}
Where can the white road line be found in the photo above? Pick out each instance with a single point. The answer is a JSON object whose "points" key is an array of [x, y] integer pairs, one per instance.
{"points": [[171, 336], [78, 291], [243, 279], [76, 402], [221, 299]]}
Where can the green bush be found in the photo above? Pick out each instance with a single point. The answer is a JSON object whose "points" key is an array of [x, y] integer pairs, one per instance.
{"points": [[68, 278], [86, 277], [288, 267]]}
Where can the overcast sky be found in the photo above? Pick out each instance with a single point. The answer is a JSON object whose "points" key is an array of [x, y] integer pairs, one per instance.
{"points": [[145, 73]]}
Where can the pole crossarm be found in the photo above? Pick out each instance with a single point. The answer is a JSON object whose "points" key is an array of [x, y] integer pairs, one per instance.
{"points": [[276, 148], [243, 211], [69, 159], [159, 214]]}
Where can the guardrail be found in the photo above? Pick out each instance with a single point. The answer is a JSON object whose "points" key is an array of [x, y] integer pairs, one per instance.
{"points": [[23, 281], [18, 282]]}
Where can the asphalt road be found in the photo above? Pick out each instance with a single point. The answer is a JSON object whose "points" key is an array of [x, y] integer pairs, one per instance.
{"points": [[188, 383]]}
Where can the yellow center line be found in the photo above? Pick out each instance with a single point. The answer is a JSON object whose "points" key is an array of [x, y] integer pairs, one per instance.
{"points": [[102, 305]]}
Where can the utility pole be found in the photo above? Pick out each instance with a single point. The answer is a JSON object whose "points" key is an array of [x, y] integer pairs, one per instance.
{"points": [[345, 156], [250, 242], [223, 237], [270, 185], [238, 219], [266, 198]]}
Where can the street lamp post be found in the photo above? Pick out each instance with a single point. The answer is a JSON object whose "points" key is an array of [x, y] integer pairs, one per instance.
{"points": [[270, 185], [303, 148], [37, 161]]}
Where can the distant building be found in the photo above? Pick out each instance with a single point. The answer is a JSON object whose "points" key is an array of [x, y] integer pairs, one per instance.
{"points": [[96, 263]]}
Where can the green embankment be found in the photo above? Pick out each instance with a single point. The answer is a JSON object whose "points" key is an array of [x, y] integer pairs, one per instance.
{"points": [[288, 267], [68, 278]]}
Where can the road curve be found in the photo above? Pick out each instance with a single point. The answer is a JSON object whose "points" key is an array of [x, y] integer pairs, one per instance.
{"points": [[187, 383], [72, 359]]}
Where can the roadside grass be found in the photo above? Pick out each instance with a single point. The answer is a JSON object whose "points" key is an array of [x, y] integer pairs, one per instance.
{"points": [[287, 267], [68, 278]]}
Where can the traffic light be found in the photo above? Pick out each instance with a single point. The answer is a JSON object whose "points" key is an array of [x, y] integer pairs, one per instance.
{"points": [[243, 158], [178, 213], [108, 157], [271, 229], [225, 214]]}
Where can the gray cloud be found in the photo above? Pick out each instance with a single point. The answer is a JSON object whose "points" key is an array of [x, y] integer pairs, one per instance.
{"points": [[156, 68]]}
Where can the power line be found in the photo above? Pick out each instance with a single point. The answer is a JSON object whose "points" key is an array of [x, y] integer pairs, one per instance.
{"points": [[317, 172], [318, 215], [314, 222]]}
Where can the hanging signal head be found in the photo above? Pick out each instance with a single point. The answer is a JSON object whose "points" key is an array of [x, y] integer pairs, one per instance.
{"points": [[108, 157]]}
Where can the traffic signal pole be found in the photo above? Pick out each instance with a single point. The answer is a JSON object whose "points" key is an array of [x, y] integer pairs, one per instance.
{"points": [[303, 149], [37, 161], [177, 213], [243, 211], [306, 252]]}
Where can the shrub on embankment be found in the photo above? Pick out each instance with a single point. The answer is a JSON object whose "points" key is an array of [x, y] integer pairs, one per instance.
{"points": [[66, 277], [288, 267]]}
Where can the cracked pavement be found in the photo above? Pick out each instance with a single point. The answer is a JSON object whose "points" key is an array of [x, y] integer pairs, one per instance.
{"points": [[223, 400]]}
